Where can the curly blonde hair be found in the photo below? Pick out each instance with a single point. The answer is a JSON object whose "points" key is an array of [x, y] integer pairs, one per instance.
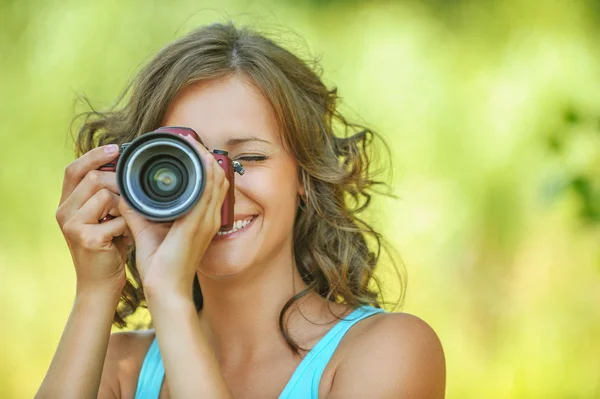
{"points": [[334, 162]]}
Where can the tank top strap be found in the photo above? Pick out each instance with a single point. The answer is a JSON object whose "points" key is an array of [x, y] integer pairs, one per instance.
{"points": [[151, 375], [305, 381]]}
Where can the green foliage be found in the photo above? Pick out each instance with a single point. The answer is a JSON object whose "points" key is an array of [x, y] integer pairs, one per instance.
{"points": [[581, 177]]}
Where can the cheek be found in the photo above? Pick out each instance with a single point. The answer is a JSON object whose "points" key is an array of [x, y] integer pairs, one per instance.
{"points": [[274, 190]]}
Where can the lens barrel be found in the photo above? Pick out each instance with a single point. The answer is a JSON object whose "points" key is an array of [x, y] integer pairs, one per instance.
{"points": [[161, 176]]}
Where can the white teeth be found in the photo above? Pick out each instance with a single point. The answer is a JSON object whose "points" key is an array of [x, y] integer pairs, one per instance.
{"points": [[237, 225]]}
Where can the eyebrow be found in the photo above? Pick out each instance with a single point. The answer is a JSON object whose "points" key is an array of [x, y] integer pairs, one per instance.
{"points": [[234, 141]]}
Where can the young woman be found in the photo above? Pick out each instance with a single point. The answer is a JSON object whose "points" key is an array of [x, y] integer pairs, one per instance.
{"points": [[281, 307]]}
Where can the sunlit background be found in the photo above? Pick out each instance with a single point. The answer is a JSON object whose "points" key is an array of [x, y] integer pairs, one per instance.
{"points": [[492, 110]]}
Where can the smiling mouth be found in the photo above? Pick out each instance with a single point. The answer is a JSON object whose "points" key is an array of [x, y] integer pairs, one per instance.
{"points": [[237, 226]]}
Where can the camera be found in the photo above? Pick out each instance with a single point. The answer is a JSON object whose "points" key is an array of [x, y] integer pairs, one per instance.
{"points": [[161, 175]]}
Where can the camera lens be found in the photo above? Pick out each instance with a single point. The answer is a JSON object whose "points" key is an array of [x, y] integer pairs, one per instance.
{"points": [[163, 178]]}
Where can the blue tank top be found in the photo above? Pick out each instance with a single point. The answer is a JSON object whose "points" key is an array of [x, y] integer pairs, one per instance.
{"points": [[305, 380]]}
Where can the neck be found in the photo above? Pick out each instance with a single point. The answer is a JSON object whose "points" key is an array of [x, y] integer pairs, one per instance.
{"points": [[240, 314]]}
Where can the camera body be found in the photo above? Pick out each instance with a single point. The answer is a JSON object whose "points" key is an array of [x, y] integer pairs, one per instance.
{"points": [[161, 175]]}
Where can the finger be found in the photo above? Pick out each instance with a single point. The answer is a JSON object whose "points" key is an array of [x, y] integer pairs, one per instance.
{"points": [[211, 167], [124, 242], [206, 214], [91, 160], [187, 225], [209, 182], [127, 233], [103, 202], [220, 189], [114, 228], [100, 236], [218, 205], [198, 146], [128, 236], [93, 181], [214, 207]]}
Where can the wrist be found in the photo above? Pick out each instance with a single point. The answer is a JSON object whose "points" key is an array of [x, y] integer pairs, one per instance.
{"points": [[96, 305], [170, 299], [168, 291], [98, 295], [108, 286]]}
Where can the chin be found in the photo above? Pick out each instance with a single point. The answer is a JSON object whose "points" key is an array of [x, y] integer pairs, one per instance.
{"points": [[221, 270], [218, 263], [230, 254]]}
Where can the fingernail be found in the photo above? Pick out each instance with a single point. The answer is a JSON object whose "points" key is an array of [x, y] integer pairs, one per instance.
{"points": [[111, 149]]}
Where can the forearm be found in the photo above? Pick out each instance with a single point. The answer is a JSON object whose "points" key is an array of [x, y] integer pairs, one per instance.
{"points": [[189, 361], [76, 368]]}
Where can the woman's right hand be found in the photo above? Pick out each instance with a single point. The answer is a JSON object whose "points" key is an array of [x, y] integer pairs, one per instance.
{"points": [[98, 249]]}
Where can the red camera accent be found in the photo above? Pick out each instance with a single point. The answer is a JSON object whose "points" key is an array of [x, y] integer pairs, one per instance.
{"points": [[182, 131], [227, 209]]}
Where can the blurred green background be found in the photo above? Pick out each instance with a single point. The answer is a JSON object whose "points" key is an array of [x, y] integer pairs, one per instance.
{"points": [[492, 110]]}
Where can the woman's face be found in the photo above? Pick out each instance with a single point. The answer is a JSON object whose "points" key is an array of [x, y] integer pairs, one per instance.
{"points": [[231, 114]]}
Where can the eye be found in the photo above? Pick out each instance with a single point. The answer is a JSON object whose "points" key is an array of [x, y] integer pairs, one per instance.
{"points": [[253, 158]]}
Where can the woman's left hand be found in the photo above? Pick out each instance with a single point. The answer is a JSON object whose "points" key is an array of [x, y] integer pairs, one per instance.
{"points": [[168, 254]]}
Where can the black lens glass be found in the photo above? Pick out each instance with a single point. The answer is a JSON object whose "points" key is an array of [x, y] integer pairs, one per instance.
{"points": [[163, 178]]}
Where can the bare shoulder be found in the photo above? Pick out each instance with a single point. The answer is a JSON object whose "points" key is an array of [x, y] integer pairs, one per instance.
{"points": [[390, 355], [124, 357]]}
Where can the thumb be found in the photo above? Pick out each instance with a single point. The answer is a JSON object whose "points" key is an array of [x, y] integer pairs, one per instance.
{"points": [[136, 222]]}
